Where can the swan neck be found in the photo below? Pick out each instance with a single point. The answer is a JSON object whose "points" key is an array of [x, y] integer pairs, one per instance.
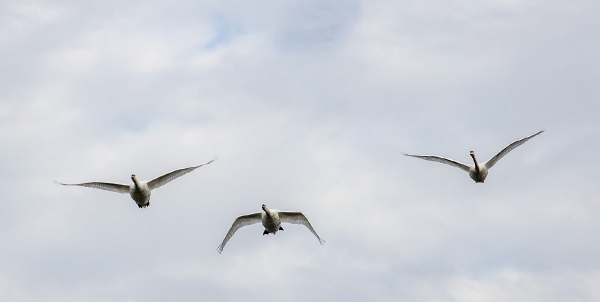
{"points": [[475, 161], [267, 211], [136, 183]]}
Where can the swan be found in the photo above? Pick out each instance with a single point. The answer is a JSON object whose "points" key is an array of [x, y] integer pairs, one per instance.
{"points": [[478, 172], [271, 219], [139, 190]]}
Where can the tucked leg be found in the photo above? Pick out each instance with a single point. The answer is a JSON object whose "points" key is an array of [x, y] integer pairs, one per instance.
{"points": [[265, 232], [280, 228]]}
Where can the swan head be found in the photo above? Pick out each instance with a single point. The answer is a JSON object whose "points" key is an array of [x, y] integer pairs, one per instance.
{"points": [[472, 153], [264, 207], [134, 179]]}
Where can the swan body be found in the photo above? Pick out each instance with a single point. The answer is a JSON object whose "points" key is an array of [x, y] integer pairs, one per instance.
{"points": [[271, 220], [139, 191], [479, 171]]}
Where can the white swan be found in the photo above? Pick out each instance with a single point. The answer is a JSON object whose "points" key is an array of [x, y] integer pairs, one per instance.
{"points": [[478, 172], [139, 190], [271, 219]]}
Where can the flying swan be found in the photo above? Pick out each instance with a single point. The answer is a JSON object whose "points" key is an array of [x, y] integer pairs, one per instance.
{"points": [[478, 172], [271, 219], [139, 190]]}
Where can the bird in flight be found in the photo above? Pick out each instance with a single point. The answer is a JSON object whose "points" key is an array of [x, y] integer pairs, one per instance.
{"points": [[140, 190], [478, 172], [271, 219]]}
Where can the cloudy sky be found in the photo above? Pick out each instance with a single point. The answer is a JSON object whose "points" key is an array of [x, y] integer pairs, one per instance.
{"points": [[308, 105]]}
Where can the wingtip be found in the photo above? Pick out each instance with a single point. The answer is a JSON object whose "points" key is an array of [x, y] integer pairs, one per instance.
{"points": [[538, 133], [212, 160]]}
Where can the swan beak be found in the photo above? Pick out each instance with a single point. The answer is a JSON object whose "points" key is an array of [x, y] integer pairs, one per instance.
{"points": [[132, 176]]}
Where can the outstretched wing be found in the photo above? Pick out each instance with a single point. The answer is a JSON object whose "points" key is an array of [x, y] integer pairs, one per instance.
{"points": [[162, 180], [298, 218], [490, 163], [442, 160], [241, 221], [119, 188]]}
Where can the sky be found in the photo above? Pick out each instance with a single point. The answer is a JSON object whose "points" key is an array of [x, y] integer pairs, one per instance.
{"points": [[308, 105]]}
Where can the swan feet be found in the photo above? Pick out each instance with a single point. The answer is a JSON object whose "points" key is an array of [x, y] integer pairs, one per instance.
{"points": [[267, 232], [141, 206]]}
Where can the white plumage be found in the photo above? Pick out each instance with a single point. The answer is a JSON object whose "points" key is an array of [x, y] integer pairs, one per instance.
{"points": [[271, 219], [477, 172], [140, 191]]}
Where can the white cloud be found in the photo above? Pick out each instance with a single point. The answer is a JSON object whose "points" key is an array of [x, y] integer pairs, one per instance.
{"points": [[307, 105], [512, 285]]}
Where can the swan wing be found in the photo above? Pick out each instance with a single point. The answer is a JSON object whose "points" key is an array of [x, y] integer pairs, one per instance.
{"points": [[107, 186], [490, 163], [298, 218], [164, 179], [442, 160], [241, 221]]}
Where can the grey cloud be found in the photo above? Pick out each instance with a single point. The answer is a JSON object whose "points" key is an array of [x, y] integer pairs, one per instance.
{"points": [[308, 105]]}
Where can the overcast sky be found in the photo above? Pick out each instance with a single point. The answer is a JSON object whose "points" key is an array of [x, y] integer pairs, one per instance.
{"points": [[308, 105]]}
